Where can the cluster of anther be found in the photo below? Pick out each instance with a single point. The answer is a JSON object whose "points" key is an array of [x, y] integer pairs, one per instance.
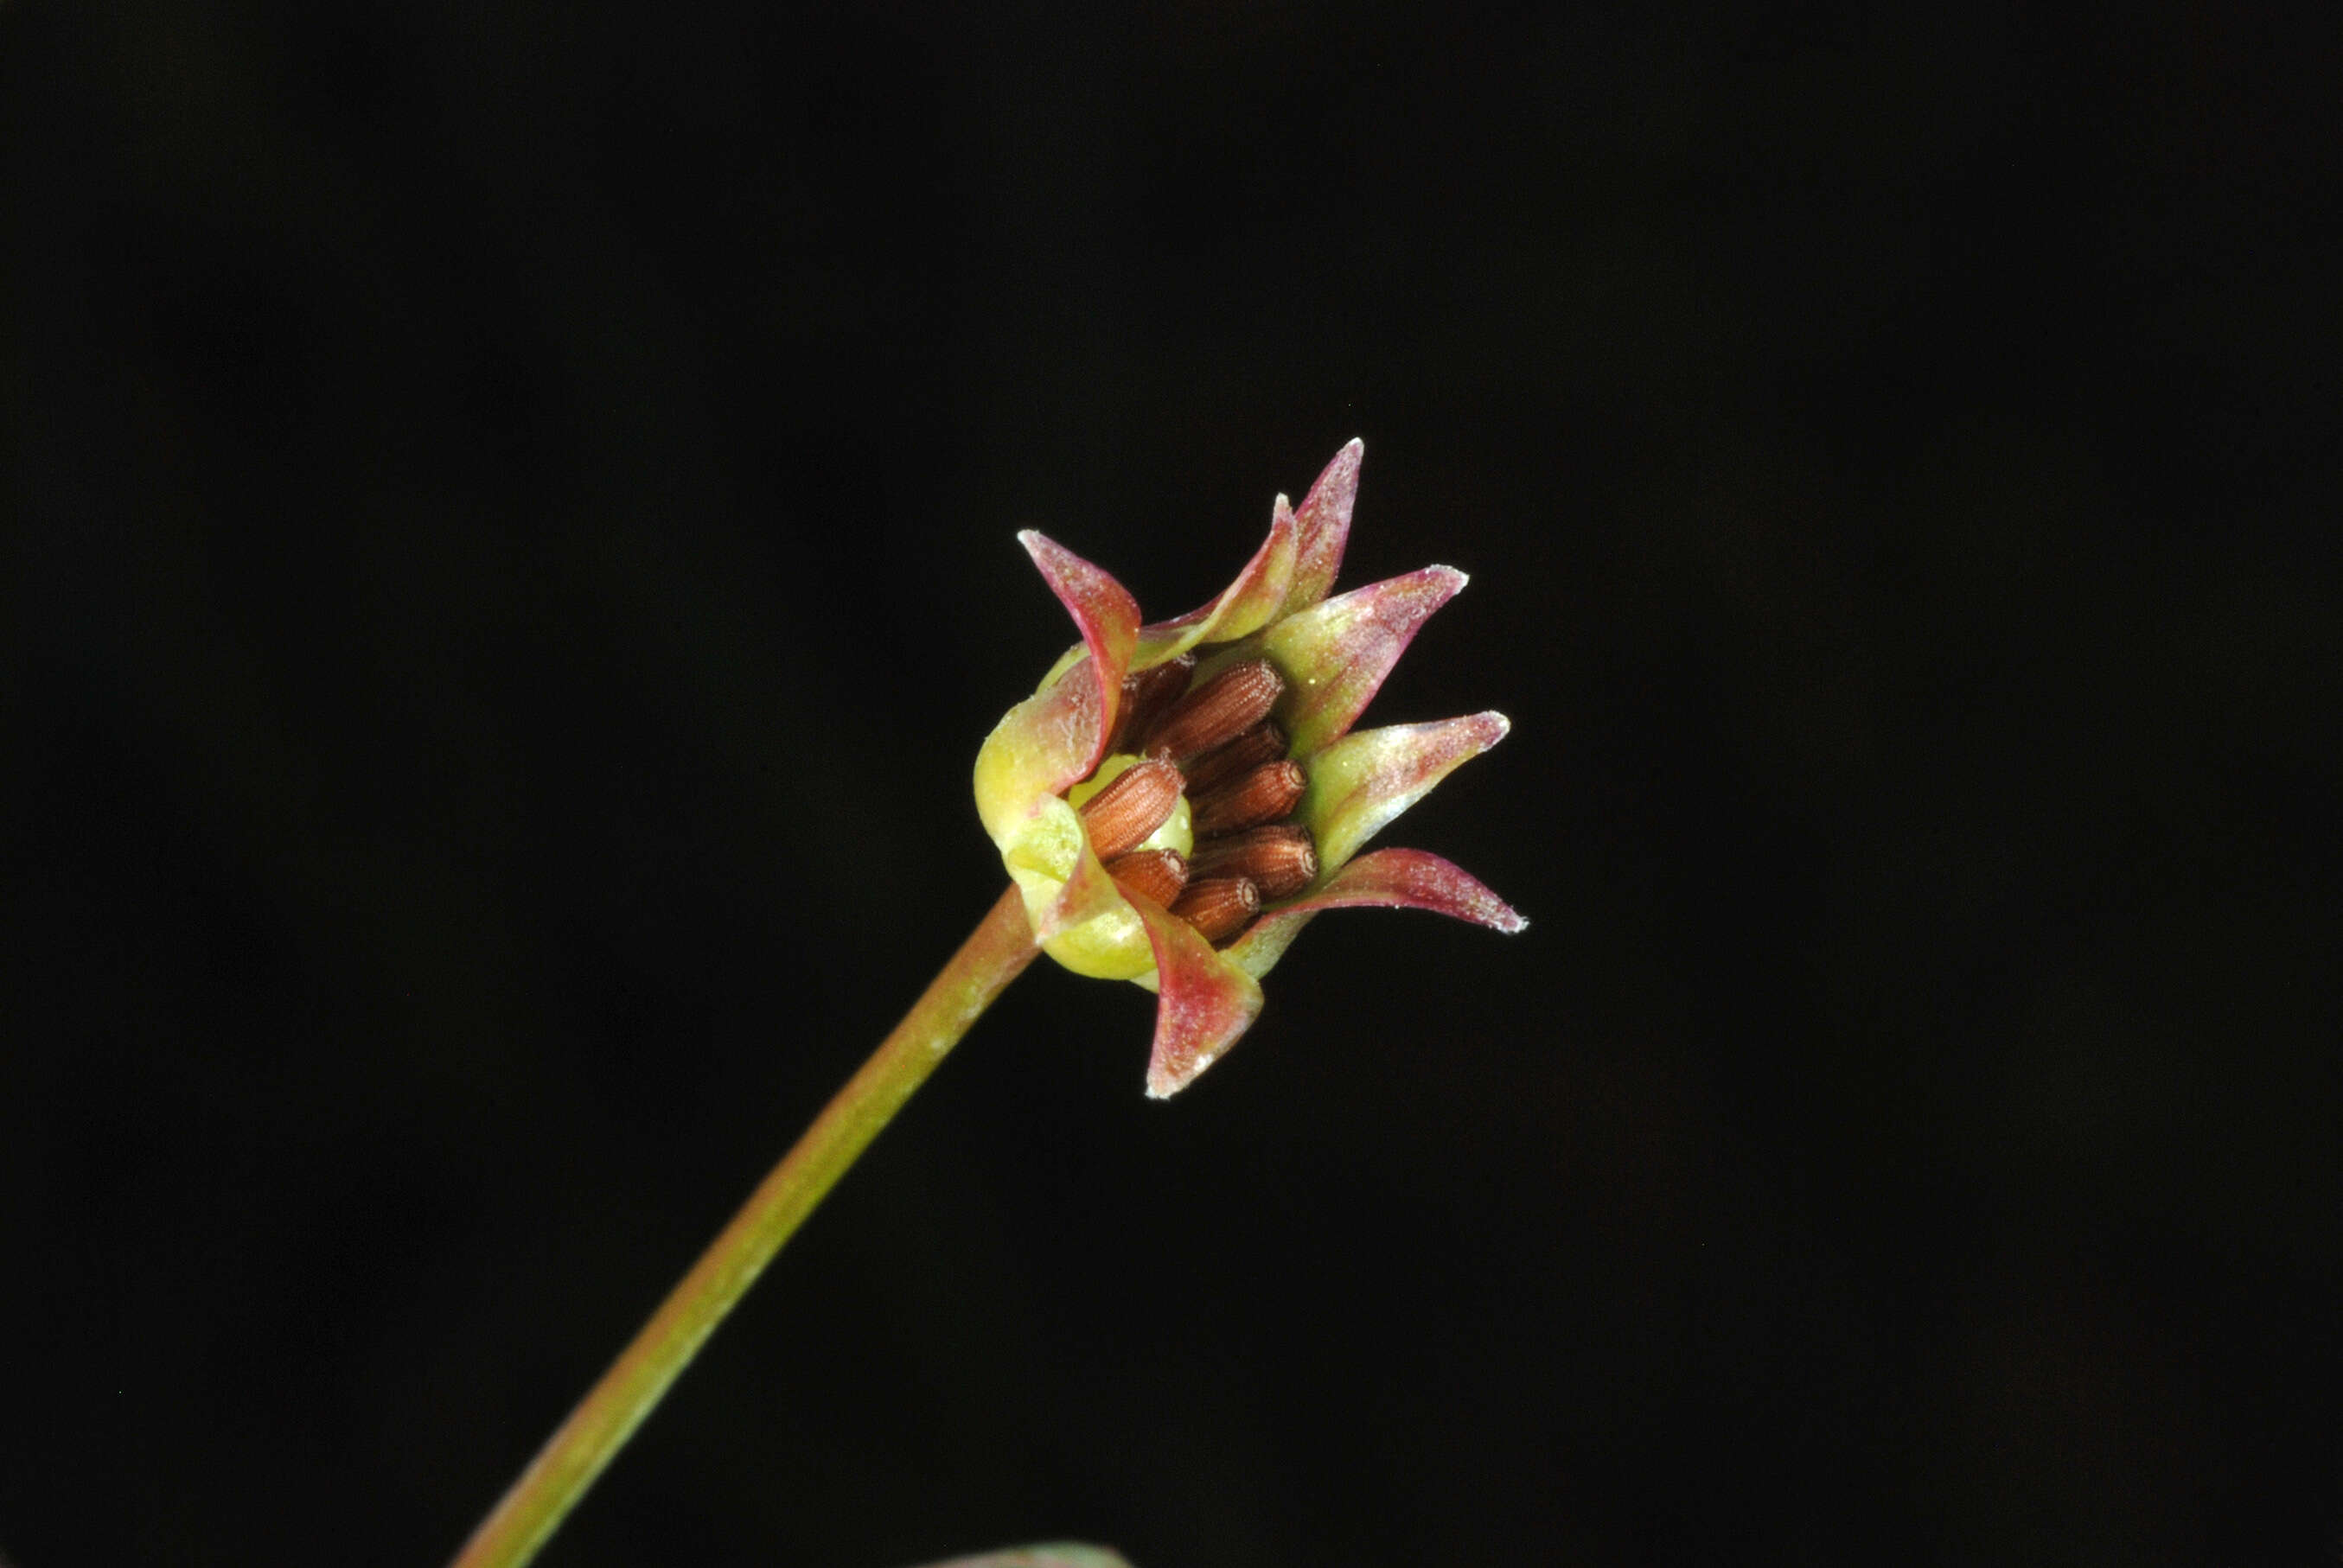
{"points": [[1216, 743]]}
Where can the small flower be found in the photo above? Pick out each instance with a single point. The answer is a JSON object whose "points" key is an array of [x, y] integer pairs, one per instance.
{"points": [[1178, 800]]}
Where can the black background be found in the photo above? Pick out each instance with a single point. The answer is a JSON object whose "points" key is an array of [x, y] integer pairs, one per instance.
{"points": [[511, 561]]}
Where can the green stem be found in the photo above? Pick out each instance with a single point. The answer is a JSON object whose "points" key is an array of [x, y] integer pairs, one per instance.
{"points": [[994, 954]]}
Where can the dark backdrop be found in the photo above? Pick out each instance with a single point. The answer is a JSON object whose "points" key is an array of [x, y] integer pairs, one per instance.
{"points": [[510, 560]]}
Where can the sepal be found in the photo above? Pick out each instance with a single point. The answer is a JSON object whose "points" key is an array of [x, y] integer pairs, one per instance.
{"points": [[1039, 748], [1239, 610], [1365, 781], [1324, 526], [1387, 879], [1202, 1001], [1336, 655], [1103, 611]]}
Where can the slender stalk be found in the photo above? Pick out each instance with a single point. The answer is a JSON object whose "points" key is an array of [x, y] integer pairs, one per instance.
{"points": [[994, 954]]}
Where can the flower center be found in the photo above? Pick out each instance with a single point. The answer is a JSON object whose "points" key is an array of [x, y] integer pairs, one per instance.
{"points": [[1233, 850]]}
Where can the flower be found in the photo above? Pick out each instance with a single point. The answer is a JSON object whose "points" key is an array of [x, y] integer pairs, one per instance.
{"points": [[1177, 800]]}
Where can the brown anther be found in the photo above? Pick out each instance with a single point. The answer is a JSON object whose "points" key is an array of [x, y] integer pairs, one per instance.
{"points": [[1279, 859], [1219, 907], [1232, 702], [1158, 873], [1125, 812], [1264, 742], [1145, 697], [1263, 795]]}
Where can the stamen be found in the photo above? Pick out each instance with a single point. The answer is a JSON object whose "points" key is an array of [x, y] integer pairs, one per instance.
{"points": [[1125, 812], [1263, 795], [1279, 859], [1219, 907], [1264, 742], [1232, 701], [1146, 696], [1158, 873]]}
